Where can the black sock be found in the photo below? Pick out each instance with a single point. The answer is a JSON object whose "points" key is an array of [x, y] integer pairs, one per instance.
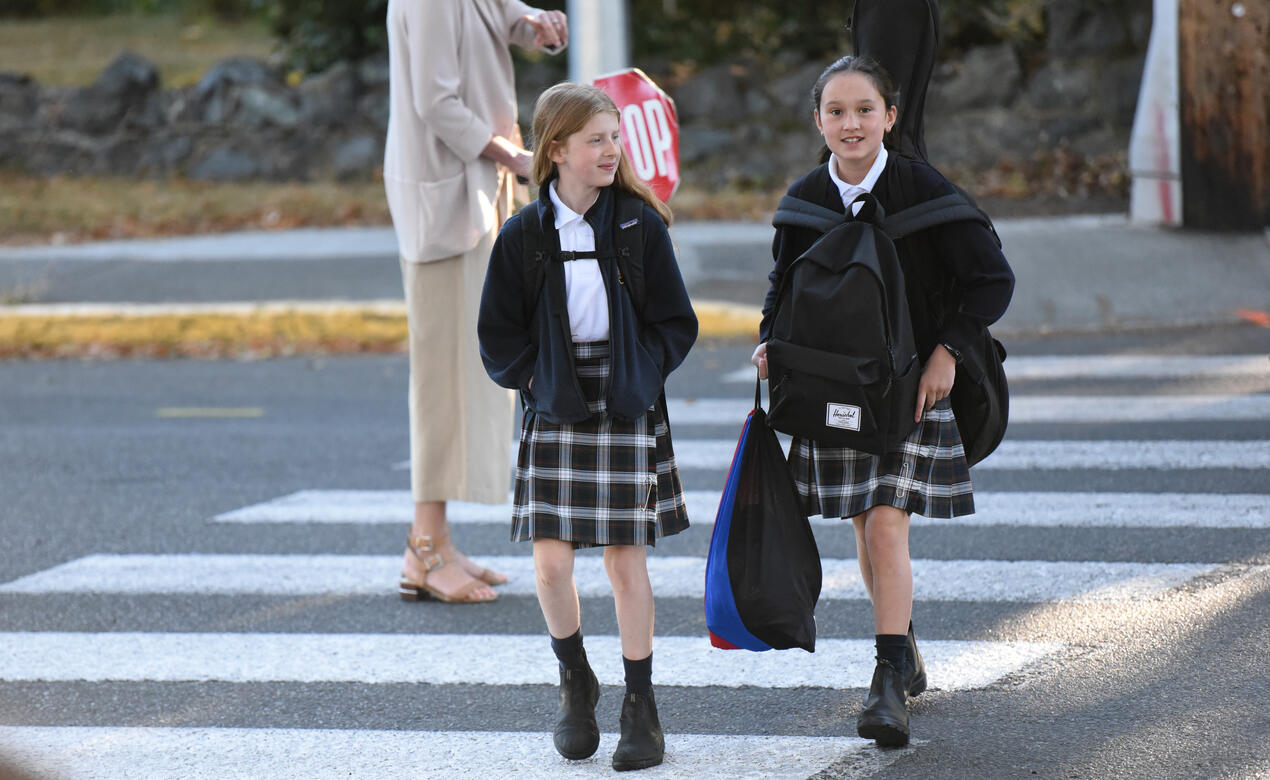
{"points": [[569, 650], [892, 648], [639, 675]]}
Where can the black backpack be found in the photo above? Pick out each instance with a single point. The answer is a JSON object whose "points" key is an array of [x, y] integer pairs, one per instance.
{"points": [[628, 243], [843, 367], [820, 308]]}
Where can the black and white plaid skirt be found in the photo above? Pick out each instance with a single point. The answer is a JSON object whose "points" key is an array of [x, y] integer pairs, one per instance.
{"points": [[601, 481], [927, 475]]}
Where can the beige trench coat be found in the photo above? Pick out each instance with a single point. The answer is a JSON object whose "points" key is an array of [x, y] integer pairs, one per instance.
{"points": [[452, 89]]}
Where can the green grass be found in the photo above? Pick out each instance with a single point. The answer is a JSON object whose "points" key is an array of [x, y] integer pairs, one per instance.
{"points": [[68, 51]]}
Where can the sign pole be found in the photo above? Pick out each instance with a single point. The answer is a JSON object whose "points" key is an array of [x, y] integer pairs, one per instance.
{"points": [[598, 37]]}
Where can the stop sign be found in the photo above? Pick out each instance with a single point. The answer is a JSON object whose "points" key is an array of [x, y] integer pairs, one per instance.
{"points": [[650, 128]]}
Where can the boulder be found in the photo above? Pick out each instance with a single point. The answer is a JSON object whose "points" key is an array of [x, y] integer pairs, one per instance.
{"points": [[357, 156], [712, 97], [985, 76], [19, 98], [330, 97], [259, 105], [127, 89], [226, 163]]}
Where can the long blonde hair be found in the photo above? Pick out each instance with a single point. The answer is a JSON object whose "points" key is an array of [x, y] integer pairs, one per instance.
{"points": [[563, 110]]}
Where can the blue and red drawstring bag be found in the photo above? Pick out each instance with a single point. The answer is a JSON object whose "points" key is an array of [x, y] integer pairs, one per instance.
{"points": [[763, 569]]}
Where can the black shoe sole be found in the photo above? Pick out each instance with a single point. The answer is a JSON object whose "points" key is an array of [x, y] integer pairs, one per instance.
{"points": [[581, 754], [644, 763], [887, 735]]}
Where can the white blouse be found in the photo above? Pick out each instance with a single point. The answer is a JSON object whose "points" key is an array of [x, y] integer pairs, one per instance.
{"points": [[850, 192], [587, 300]]}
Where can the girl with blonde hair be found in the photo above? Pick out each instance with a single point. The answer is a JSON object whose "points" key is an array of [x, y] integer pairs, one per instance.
{"points": [[590, 357]]}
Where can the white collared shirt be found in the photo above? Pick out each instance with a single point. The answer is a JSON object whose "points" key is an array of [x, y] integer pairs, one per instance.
{"points": [[850, 192], [586, 299]]}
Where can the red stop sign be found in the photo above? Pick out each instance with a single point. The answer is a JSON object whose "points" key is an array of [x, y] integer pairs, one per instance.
{"points": [[650, 128]]}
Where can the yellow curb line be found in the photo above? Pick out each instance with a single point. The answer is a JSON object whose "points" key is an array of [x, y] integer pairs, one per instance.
{"points": [[267, 328]]}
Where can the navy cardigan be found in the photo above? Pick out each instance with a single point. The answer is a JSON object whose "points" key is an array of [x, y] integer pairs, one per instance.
{"points": [[517, 345], [964, 253]]}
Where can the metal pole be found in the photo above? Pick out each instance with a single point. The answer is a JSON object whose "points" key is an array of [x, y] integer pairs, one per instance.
{"points": [[597, 38]]}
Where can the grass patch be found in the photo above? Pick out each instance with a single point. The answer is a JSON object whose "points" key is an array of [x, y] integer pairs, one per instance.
{"points": [[71, 51], [67, 210], [70, 210], [256, 334]]}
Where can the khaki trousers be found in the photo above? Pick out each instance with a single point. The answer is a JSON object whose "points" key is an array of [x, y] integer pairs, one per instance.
{"points": [[460, 421]]}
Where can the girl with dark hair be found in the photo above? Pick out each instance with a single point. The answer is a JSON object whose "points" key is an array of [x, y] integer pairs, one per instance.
{"points": [[595, 465], [854, 106]]}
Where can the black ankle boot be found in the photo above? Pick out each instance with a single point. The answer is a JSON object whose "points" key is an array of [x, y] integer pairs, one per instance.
{"points": [[642, 744], [576, 735], [885, 717], [916, 682]]}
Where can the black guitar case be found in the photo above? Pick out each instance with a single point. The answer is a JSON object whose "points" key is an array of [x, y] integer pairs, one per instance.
{"points": [[902, 35]]}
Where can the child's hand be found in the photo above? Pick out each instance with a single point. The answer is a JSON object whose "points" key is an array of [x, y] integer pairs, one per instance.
{"points": [[937, 381], [759, 359]]}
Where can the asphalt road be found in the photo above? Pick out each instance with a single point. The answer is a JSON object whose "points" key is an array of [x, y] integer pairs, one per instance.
{"points": [[1139, 651]]}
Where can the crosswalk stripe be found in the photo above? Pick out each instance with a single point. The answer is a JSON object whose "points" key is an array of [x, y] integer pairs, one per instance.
{"points": [[1104, 454], [473, 659], [672, 577], [1036, 409], [79, 753], [1030, 509], [1019, 367], [1135, 366], [1110, 455]]}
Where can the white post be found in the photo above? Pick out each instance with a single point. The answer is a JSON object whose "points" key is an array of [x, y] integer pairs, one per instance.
{"points": [[597, 38], [1154, 147]]}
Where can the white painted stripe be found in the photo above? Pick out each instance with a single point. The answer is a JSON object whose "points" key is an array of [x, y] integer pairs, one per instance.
{"points": [[672, 577], [1036, 409], [1018, 367], [716, 454], [1124, 454], [397, 507], [80, 753], [1032, 509], [1135, 366], [475, 659]]}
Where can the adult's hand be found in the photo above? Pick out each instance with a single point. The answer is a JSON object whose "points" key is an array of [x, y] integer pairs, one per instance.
{"points": [[936, 382], [510, 155], [551, 30]]}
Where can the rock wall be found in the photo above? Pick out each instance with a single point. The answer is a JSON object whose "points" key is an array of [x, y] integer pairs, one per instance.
{"points": [[742, 123]]}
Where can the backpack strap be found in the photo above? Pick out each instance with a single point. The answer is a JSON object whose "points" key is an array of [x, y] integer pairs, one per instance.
{"points": [[802, 209], [628, 240], [796, 212], [533, 256], [952, 207]]}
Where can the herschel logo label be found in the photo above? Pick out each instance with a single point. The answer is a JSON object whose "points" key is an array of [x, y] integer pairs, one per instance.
{"points": [[843, 416]]}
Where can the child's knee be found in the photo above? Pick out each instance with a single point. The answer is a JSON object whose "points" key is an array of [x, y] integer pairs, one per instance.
{"points": [[553, 565], [627, 568]]}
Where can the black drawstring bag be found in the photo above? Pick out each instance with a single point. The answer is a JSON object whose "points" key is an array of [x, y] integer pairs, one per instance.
{"points": [[770, 570]]}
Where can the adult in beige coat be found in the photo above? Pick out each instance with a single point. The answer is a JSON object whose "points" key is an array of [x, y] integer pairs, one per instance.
{"points": [[451, 158]]}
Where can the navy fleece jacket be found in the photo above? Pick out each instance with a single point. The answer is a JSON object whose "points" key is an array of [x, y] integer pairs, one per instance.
{"points": [[517, 345]]}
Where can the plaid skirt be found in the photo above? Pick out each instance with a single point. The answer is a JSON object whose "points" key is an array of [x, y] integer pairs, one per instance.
{"points": [[927, 475], [599, 482]]}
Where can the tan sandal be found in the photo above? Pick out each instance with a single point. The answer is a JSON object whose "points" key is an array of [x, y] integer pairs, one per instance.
{"points": [[424, 549]]}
